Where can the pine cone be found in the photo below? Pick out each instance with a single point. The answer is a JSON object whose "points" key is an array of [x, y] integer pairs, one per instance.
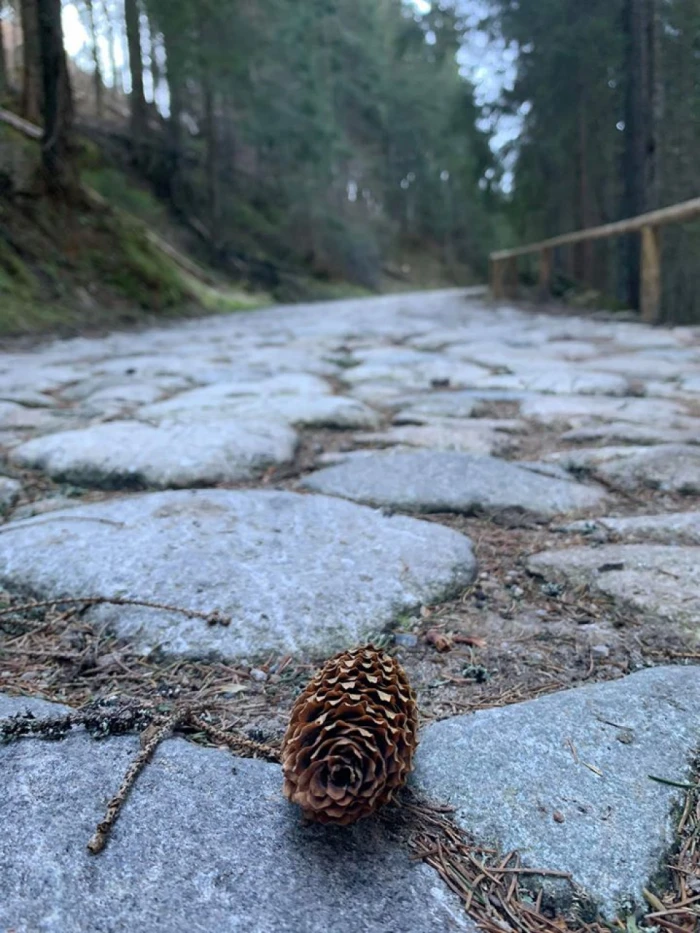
{"points": [[351, 738]]}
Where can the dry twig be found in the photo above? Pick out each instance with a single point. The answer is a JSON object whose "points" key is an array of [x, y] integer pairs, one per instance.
{"points": [[235, 741], [213, 618], [99, 839]]}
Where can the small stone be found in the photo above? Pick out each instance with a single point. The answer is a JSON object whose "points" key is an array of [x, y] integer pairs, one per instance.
{"points": [[405, 640], [258, 675]]}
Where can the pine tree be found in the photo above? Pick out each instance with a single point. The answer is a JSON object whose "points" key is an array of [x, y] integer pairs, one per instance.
{"points": [[31, 64], [58, 169]]}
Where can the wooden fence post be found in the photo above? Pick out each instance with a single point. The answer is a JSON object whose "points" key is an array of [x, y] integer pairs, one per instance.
{"points": [[545, 274], [511, 277], [650, 284], [496, 279]]}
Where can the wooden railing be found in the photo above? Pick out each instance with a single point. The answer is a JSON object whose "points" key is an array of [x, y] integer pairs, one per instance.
{"points": [[504, 264]]}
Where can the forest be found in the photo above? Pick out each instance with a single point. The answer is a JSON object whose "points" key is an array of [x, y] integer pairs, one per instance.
{"points": [[348, 141]]}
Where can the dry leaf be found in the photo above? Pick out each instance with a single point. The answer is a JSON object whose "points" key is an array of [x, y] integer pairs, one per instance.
{"points": [[439, 640]]}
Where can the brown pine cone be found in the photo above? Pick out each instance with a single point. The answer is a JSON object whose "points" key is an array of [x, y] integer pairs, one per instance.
{"points": [[351, 737]]}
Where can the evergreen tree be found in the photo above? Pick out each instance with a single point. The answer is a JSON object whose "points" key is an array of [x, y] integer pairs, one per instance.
{"points": [[57, 108]]}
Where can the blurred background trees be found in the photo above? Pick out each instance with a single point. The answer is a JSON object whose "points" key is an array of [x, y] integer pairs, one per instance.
{"points": [[609, 93], [334, 135], [342, 138]]}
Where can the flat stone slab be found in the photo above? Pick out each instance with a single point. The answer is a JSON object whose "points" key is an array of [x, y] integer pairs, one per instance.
{"points": [[294, 573], [565, 779], [205, 841], [657, 582], [128, 454], [581, 410], [676, 528], [321, 411], [123, 388], [304, 409], [421, 373], [476, 435], [442, 404], [621, 432], [557, 380], [642, 365], [284, 385], [671, 468], [446, 481]]}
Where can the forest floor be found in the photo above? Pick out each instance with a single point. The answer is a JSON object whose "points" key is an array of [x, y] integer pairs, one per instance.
{"points": [[508, 501]]}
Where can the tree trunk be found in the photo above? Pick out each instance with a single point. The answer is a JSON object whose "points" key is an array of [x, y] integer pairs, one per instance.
{"points": [[210, 127], [31, 65], [642, 106], [3, 61], [99, 84], [138, 99], [583, 252], [57, 101], [212, 166]]}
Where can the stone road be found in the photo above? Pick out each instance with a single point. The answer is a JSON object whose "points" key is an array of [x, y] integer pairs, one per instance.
{"points": [[308, 472]]}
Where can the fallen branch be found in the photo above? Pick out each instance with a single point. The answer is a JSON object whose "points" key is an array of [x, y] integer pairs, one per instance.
{"points": [[211, 618]]}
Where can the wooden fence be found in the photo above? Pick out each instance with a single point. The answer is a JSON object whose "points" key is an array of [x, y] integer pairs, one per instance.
{"points": [[504, 264]]}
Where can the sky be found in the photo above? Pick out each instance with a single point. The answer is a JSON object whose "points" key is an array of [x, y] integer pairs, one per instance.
{"points": [[74, 35], [491, 68], [76, 41]]}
